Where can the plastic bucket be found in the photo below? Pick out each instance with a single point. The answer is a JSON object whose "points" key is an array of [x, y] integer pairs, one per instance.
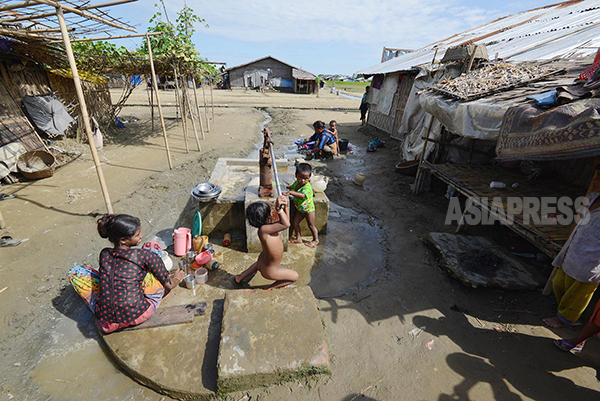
{"points": [[343, 144]]}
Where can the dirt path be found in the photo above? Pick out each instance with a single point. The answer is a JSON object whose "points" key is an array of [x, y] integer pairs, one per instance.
{"points": [[50, 350]]}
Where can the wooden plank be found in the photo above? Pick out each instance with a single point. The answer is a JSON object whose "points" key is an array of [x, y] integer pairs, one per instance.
{"points": [[172, 315]]}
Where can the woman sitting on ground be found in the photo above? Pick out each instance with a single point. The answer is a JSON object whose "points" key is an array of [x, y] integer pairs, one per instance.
{"points": [[130, 283], [325, 145]]}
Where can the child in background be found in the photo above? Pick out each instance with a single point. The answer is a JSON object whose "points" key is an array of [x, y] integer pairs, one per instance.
{"points": [[303, 195], [334, 131], [259, 216]]}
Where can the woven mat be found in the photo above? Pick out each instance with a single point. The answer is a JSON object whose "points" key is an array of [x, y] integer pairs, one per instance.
{"points": [[570, 131]]}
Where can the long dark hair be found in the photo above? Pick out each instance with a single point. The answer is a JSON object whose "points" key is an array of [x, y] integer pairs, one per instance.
{"points": [[118, 226], [258, 214]]}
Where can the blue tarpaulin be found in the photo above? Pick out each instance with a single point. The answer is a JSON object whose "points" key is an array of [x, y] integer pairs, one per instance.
{"points": [[136, 80], [286, 83]]}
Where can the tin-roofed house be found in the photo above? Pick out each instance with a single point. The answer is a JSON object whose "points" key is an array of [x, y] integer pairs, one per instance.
{"points": [[269, 71]]}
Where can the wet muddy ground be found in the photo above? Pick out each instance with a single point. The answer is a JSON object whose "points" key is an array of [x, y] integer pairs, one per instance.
{"points": [[478, 344]]}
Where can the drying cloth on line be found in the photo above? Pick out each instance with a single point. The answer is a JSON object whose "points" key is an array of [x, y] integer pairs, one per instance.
{"points": [[48, 114], [570, 131]]}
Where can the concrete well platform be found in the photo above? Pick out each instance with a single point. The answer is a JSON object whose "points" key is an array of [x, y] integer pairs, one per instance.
{"points": [[181, 360], [270, 337], [237, 178]]}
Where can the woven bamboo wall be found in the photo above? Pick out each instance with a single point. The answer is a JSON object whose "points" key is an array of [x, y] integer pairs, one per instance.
{"points": [[14, 126], [381, 121], [29, 81], [97, 97]]}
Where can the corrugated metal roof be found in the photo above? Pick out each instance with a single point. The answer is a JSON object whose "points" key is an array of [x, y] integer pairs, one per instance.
{"points": [[302, 74], [567, 30]]}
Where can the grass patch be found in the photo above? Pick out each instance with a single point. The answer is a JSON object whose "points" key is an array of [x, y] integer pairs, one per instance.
{"points": [[358, 87]]}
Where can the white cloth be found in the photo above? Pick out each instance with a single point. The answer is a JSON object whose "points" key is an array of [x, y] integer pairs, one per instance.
{"points": [[9, 154], [580, 256]]}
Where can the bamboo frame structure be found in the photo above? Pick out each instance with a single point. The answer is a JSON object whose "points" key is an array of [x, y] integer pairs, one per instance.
{"points": [[135, 35], [160, 113], [189, 110], [205, 108], [212, 100], [181, 104], [198, 107], [177, 96], [84, 14], [83, 106]]}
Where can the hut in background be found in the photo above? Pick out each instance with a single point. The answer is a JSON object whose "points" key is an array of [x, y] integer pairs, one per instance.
{"points": [[269, 71]]}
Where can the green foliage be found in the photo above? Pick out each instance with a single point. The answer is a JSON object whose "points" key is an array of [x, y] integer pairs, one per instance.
{"points": [[99, 47], [176, 42]]}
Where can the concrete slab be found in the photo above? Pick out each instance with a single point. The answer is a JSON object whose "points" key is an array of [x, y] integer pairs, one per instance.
{"points": [[270, 337], [477, 262], [178, 361]]}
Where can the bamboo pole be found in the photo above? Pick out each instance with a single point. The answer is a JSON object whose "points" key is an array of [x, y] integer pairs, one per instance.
{"points": [[160, 113], [212, 101], [177, 100], [150, 96], [84, 14], [205, 108], [8, 31], [37, 16], [2, 222], [419, 177], [135, 35], [198, 107], [83, 106], [183, 119], [189, 109]]}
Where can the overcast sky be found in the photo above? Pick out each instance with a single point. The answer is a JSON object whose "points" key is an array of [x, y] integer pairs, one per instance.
{"points": [[323, 37]]}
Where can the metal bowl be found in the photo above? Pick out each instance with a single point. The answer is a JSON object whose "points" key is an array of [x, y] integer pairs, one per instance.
{"points": [[207, 197], [205, 188]]}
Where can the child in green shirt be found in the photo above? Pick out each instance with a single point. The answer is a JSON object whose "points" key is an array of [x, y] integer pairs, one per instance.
{"points": [[303, 195]]}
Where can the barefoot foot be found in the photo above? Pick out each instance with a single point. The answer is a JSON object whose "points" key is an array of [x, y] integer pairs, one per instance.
{"points": [[296, 240], [312, 243], [553, 322]]}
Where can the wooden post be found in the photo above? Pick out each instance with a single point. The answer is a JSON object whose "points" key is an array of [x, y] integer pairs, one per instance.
{"points": [[205, 109], [198, 107], [471, 62], [419, 178], [471, 151], [83, 106], [212, 101], [160, 113], [189, 109], [2, 222], [434, 56]]}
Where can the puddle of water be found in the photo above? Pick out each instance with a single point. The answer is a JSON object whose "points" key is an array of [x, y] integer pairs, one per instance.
{"points": [[350, 96], [349, 256], [258, 145]]}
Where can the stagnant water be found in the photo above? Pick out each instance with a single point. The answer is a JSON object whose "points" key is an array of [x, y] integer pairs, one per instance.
{"points": [[350, 253]]}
